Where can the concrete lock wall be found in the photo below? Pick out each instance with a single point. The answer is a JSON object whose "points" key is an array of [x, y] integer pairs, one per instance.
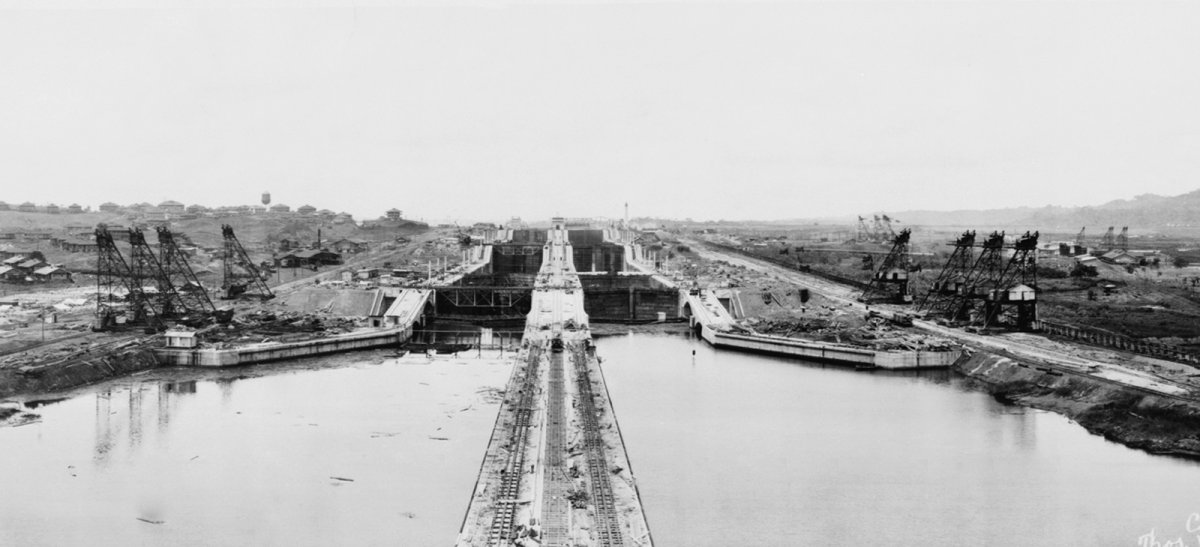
{"points": [[273, 352], [599, 258], [630, 304], [516, 259], [628, 298]]}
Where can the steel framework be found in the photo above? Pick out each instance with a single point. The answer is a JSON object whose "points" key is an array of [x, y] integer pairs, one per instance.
{"points": [[112, 275], [179, 274], [890, 281], [953, 277], [241, 276], [144, 267]]}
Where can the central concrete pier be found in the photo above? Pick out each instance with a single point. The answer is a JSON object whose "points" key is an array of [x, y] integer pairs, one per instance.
{"points": [[556, 472]]}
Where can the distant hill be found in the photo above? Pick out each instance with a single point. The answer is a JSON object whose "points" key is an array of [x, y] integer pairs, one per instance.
{"points": [[1144, 211]]}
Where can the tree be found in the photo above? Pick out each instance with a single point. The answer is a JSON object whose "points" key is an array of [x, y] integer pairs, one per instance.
{"points": [[1180, 262], [1084, 270]]}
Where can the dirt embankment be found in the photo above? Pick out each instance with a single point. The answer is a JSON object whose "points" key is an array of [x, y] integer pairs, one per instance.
{"points": [[74, 373], [1159, 425]]}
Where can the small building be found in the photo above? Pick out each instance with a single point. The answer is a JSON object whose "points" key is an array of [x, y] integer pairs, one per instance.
{"points": [[182, 339], [342, 218], [394, 214], [368, 273], [109, 207], [349, 246], [52, 209], [1021, 293], [306, 210], [280, 208], [325, 214], [30, 265], [4, 206], [74, 209], [1117, 256], [15, 259], [310, 258], [27, 207], [80, 245], [171, 206], [51, 273], [196, 209], [9, 273]]}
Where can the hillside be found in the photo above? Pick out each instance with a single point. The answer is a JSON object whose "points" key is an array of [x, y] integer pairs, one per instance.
{"points": [[1145, 211]]}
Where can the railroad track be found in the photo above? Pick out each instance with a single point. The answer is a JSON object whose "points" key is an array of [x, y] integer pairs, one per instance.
{"points": [[504, 520], [556, 507], [607, 526]]}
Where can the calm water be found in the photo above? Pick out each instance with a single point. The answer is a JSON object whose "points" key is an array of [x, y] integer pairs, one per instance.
{"points": [[731, 448], [227, 461], [728, 448]]}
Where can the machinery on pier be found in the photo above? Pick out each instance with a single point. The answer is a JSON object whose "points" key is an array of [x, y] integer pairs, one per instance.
{"points": [[242, 278], [179, 274], [890, 281], [953, 277], [121, 299], [144, 266], [999, 289]]}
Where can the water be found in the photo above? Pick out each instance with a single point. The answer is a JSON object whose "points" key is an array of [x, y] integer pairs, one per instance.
{"points": [[728, 448], [733, 448], [222, 459]]}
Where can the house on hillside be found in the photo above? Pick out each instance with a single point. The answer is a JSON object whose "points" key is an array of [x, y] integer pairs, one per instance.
{"points": [[171, 206], [280, 208], [349, 246], [74, 209], [27, 207], [1117, 256], [306, 210], [309, 258], [109, 207], [47, 274]]}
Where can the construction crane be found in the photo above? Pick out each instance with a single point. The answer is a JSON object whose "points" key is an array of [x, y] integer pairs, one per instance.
{"points": [[890, 282], [958, 305], [144, 265], [113, 275], [1079, 242], [1123, 239], [241, 277], [1015, 288], [953, 276], [180, 274], [1108, 241], [865, 233]]}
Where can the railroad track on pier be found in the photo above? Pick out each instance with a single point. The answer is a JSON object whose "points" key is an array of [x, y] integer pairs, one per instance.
{"points": [[507, 496], [607, 526], [556, 508]]}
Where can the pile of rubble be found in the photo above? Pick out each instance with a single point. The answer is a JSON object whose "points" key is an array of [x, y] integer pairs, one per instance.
{"points": [[269, 326]]}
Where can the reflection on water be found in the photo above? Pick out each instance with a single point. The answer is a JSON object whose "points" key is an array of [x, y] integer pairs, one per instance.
{"points": [[120, 413], [734, 448], [245, 456]]}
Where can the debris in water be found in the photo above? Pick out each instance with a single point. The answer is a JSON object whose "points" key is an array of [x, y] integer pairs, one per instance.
{"points": [[439, 438], [343, 479], [150, 521]]}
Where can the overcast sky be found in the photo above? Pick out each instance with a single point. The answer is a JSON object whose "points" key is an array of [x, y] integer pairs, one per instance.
{"points": [[708, 110]]}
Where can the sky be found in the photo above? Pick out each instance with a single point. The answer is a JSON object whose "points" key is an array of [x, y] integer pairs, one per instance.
{"points": [[709, 110]]}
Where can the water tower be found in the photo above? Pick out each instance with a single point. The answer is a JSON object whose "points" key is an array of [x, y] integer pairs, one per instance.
{"points": [[266, 198]]}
